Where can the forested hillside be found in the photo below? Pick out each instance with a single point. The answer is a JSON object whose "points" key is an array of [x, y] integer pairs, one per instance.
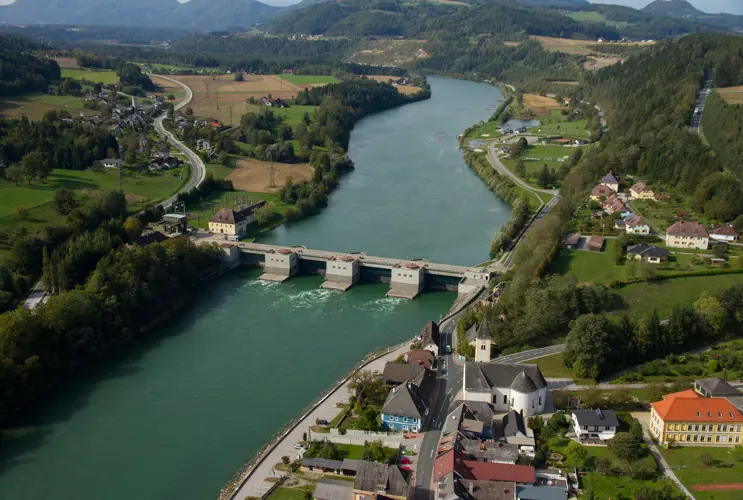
{"points": [[21, 71], [723, 127]]}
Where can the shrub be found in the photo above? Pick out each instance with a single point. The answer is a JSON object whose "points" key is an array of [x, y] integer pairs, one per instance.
{"points": [[626, 447]]}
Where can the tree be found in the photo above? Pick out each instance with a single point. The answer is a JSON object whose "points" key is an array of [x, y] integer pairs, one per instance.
{"points": [[577, 452], [64, 201], [189, 111], [589, 345], [626, 447], [367, 421], [711, 311], [604, 465], [35, 165], [15, 173], [536, 423], [521, 169], [719, 250], [133, 227], [519, 147], [21, 212], [285, 460], [544, 179], [239, 76], [374, 452], [265, 214]]}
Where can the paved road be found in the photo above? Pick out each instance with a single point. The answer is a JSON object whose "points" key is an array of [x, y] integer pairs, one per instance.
{"points": [[38, 296], [696, 120], [327, 410], [498, 165], [198, 169], [523, 356]]}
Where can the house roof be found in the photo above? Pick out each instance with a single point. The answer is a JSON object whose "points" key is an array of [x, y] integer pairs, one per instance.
{"points": [[487, 490], [609, 178], [486, 471], [472, 425], [690, 406], [687, 229], [230, 216], [724, 230], [480, 377], [601, 190], [481, 411], [115, 161], [639, 186], [717, 387], [349, 464], [422, 357], [444, 464], [430, 333], [635, 221], [538, 492], [153, 237], [405, 400], [596, 417], [323, 463], [397, 373], [513, 424], [471, 333], [523, 383], [572, 239], [333, 490], [490, 450], [595, 242], [373, 476], [645, 250]]}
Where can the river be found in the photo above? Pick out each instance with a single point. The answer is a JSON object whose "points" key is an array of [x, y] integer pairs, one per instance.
{"points": [[175, 414]]}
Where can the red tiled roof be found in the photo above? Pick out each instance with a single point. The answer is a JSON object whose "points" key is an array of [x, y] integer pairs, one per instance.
{"points": [[635, 221], [688, 229], [690, 406], [639, 187], [486, 471], [724, 231], [601, 190], [443, 465]]}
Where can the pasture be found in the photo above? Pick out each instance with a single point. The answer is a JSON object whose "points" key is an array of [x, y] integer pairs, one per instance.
{"points": [[541, 105], [580, 47], [731, 95], [35, 106], [403, 89], [308, 79], [254, 175], [596, 17], [67, 62], [103, 76]]}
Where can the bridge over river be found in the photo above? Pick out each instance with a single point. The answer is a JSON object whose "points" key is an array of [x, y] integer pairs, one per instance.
{"points": [[407, 278]]}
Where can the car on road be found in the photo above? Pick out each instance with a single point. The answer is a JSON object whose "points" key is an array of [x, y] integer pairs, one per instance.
{"points": [[448, 349], [322, 422], [299, 446], [404, 460], [407, 452]]}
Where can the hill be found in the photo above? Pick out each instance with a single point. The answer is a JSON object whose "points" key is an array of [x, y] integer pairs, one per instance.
{"points": [[195, 15], [554, 3], [681, 9], [22, 72]]}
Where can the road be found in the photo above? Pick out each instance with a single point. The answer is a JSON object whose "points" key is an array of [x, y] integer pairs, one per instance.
{"points": [[501, 169], [198, 169], [523, 356], [696, 120]]}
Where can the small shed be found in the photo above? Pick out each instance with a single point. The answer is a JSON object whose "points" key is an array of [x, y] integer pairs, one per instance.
{"points": [[571, 242], [595, 243]]}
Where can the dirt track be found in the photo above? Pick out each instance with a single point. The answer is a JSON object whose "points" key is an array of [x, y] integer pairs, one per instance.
{"points": [[718, 487]]}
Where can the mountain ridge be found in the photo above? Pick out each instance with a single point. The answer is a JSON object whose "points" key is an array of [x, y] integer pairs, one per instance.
{"points": [[682, 9]]}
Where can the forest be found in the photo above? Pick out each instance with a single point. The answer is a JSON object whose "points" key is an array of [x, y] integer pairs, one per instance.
{"points": [[22, 72], [722, 125]]}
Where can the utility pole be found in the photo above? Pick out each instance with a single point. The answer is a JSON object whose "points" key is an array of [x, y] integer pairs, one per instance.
{"points": [[217, 92], [271, 182]]}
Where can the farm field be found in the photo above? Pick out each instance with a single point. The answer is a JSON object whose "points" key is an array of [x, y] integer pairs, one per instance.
{"points": [[555, 124], [541, 105], [596, 17], [141, 189], [35, 106], [570, 46], [292, 115], [67, 62], [103, 76], [690, 469], [168, 87], [403, 89], [387, 52], [253, 175], [731, 95], [223, 98], [308, 79], [599, 62]]}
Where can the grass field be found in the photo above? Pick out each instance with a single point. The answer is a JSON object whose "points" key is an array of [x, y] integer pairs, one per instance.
{"points": [[35, 106], [570, 46], [556, 124], [552, 366], [664, 295], [103, 76], [308, 79], [204, 210], [141, 190], [167, 87], [67, 62], [284, 493], [689, 468], [403, 89], [253, 175], [390, 52], [596, 17], [293, 114], [731, 95]]}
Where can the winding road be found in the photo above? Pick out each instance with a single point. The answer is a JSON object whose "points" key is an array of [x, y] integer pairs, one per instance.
{"points": [[501, 169]]}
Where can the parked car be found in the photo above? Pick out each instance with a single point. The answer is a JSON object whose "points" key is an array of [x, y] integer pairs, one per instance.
{"points": [[299, 446], [407, 452], [322, 422], [406, 468], [404, 460]]}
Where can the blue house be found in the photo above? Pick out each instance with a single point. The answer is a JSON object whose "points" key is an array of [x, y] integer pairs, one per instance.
{"points": [[405, 409]]}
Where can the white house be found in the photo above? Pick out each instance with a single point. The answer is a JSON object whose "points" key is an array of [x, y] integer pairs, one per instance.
{"points": [[723, 233], [594, 425], [507, 387], [233, 222], [112, 162], [610, 181], [636, 225], [687, 235]]}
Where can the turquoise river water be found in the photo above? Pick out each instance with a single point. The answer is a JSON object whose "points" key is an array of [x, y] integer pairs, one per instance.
{"points": [[175, 414]]}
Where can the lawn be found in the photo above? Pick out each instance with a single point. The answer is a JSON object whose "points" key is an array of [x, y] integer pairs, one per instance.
{"points": [[552, 366], [203, 210], [490, 129], [218, 170], [590, 267], [282, 493], [292, 115], [575, 129], [664, 295], [103, 76], [596, 17], [532, 168], [35, 106], [308, 79], [688, 466]]}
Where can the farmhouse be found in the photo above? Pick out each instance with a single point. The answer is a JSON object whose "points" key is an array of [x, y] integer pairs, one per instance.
{"points": [[611, 181], [406, 406], [233, 222], [507, 387], [723, 233], [601, 191], [648, 253], [594, 425], [687, 235], [640, 191]]}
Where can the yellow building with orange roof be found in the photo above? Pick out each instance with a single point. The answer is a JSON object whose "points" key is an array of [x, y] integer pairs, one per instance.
{"points": [[688, 418]]}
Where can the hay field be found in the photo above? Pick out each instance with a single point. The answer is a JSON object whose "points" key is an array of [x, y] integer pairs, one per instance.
{"points": [[388, 52], [403, 89], [540, 105], [253, 175], [597, 62], [731, 95], [35, 106], [511, 44], [570, 46], [67, 62], [223, 98]]}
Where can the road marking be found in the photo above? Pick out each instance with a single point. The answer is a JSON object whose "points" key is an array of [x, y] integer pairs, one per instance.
{"points": [[431, 454]]}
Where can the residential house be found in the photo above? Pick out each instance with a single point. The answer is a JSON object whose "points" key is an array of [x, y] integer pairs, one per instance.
{"points": [[112, 162], [540, 492], [203, 145], [489, 451], [724, 232], [649, 253], [507, 387], [481, 338], [715, 388], [456, 462], [688, 418], [430, 337], [321, 464], [613, 205], [379, 481], [407, 405], [159, 164], [333, 489], [517, 433], [163, 153], [687, 235], [572, 241], [636, 225], [601, 191], [611, 181], [640, 191], [595, 243], [423, 357], [594, 425], [233, 222], [399, 373]]}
